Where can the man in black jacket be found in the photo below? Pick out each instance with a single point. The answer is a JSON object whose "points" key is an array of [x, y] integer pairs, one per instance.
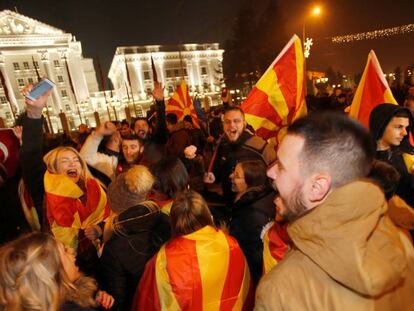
{"points": [[237, 145]]}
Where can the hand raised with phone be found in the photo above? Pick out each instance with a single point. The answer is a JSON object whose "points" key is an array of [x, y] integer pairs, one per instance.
{"points": [[35, 107]]}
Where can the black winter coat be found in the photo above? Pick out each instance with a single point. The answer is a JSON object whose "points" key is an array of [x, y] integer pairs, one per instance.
{"points": [[138, 235], [249, 215]]}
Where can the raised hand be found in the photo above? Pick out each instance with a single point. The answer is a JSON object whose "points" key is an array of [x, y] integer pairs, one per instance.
{"points": [[35, 107], [106, 129], [158, 91]]}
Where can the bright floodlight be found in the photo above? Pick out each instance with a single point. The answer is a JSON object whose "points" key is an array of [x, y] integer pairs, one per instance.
{"points": [[316, 10]]}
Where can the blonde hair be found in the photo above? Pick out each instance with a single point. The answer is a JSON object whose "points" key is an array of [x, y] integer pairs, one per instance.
{"points": [[52, 157], [139, 180], [189, 213], [32, 276]]}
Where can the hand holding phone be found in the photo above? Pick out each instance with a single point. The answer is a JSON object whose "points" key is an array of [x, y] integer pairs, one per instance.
{"points": [[39, 89]]}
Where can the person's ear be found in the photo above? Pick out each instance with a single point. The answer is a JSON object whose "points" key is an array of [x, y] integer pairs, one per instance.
{"points": [[319, 189]]}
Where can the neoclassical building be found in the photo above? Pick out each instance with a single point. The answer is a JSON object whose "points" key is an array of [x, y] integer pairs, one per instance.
{"points": [[199, 64], [27, 46]]}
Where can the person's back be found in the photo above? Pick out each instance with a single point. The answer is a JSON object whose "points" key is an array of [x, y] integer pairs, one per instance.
{"points": [[201, 270]]}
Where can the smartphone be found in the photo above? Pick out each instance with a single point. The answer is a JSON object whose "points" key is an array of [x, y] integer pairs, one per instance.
{"points": [[40, 88]]}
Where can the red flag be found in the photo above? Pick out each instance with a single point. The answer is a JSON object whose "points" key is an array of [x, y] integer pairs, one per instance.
{"points": [[181, 104], [9, 151], [372, 90], [278, 98]]}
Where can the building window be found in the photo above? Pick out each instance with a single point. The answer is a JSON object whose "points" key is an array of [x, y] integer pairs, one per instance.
{"points": [[64, 93], [26, 65], [60, 78], [67, 107], [203, 70], [147, 75], [176, 73], [36, 64], [20, 82], [171, 89], [3, 99], [185, 71], [168, 73], [30, 80], [16, 66], [56, 63]]}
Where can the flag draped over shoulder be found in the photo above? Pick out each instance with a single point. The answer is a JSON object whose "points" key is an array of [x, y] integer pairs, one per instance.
{"points": [[66, 213], [275, 246], [372, 90], [181, 104], [204, 270], [278, 98]]}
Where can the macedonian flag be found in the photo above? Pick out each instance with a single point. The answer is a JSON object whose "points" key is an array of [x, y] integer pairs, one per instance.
{"points": [[278, 98], [181, 104], [275, 245], [204, 270], [372, 90], [67, 214]]}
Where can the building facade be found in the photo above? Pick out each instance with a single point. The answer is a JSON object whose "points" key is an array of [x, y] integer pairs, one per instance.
{"points": [[199, 64], [28, 49]]}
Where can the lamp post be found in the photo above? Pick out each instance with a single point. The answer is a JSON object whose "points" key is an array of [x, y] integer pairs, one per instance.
{"points": [[315, 11]]}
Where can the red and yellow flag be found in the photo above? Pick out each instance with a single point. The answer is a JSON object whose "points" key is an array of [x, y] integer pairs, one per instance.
{"points": [[278, 98], [204, 270], [181, 104], [66, 213], [275, 246], [372, 90]]}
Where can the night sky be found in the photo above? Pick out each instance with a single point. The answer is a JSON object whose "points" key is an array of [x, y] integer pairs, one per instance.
{"points": [[103, 25]]}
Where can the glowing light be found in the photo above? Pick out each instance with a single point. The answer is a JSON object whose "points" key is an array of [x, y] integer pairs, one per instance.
{"points": [[308, 43], [316, 11], [375, 34]]}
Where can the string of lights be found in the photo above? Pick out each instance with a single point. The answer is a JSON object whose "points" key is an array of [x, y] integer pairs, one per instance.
{"points": [[374, 34]]}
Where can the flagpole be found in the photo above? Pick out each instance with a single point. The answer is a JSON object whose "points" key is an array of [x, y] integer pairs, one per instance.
{"points": [[73, 89], [130, 86]]}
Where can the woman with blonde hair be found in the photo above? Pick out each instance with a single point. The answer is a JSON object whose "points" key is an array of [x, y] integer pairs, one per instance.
{"points": [[39, 273], [136, 234], [200, 268], [75, 201]]}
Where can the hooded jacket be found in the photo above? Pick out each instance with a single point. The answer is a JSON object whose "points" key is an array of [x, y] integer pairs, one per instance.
{"points": [[347, 255], [400, 157], [138, 233]]}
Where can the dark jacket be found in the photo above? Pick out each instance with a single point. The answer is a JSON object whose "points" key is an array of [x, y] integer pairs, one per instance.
{"points": [[177, 142], [31, 157], [248, 147], [378, 121], [249, 215], [139, 232]]}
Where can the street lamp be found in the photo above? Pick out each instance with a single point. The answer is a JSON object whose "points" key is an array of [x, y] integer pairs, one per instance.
{"points": [[307, 43]]}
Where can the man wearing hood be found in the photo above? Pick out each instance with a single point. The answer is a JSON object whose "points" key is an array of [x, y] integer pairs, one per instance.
{"points": [[346, 254], [389, 125]]}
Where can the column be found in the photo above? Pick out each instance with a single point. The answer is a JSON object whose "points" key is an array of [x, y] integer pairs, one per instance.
{"points": [[57, 104], [13, 101], [190, 74], [138, 77], [198, 75], [210, 71]]}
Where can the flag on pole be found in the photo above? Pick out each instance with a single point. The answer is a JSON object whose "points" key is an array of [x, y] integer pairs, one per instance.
{"points": [[181, 105], [278, 98], [372, 90], [203, 270]]}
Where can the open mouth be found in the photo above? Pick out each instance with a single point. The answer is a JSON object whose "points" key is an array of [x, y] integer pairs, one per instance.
{"points": [[72, 173]]}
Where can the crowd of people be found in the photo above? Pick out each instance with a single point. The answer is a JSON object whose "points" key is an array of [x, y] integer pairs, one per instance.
{"points": [[163, 214]]}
